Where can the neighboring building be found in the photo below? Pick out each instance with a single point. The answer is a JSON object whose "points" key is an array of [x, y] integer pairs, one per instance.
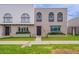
{"points": [[15, 18], [38, 21], [73, 26]]}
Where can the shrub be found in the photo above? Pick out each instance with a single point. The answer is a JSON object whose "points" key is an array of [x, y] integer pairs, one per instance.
{"points": [[56, 33], [22, 32]]}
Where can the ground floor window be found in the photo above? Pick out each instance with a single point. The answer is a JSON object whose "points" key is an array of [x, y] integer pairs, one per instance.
{"points": [[55, 28], [23, 29]]}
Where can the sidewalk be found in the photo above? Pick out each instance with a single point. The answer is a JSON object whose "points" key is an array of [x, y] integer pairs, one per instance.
{"points": [[39, 42]]}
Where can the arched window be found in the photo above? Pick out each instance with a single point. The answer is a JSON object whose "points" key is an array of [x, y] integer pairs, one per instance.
{"points": [[25, 18], [39, 16], [7, 18], [60, 16], [51, 16]]}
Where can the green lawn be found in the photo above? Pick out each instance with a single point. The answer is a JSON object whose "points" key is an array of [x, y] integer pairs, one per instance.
{"points": [[35, 49], [61, 38], [17, 39], [44, 38]]}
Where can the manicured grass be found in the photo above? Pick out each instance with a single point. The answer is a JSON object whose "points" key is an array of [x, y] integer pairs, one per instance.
{"points": [[44, 38], [35, 49], [61, 38], [17, 39]]}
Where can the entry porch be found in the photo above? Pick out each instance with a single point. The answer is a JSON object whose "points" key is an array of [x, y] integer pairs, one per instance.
{"points": [[15, 29], [73, 30]]}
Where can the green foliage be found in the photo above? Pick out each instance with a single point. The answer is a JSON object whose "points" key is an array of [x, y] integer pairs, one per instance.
{"points": [[56, 33], [22, 32], [17, 39]]}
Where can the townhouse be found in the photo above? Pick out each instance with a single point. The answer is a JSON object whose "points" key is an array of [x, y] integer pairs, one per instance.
{"points": [[25, 19]]}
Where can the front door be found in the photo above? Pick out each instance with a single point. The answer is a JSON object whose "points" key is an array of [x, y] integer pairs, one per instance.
{"points": [[38, 30], [7, 31]]}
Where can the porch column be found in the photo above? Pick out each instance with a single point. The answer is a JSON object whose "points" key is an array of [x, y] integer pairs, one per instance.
{"points": [[73, 31]]}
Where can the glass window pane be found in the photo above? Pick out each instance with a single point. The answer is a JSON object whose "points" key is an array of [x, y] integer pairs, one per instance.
{"points": [[25, 18], [7, 18], [39, 16], [60, 16], [23, 29], [19, 29], [51, 16], [55, 28]]}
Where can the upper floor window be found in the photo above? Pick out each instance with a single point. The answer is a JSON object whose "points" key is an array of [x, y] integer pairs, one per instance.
{"points": [[39, 16], [7, 18], [25, 18], [51, 16], [60, 17]]}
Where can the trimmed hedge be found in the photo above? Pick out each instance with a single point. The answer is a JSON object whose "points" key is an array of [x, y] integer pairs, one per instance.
{"points": [[22, 32], [56, 33]]}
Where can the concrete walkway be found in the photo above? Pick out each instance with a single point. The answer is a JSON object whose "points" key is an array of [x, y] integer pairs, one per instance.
{"points": [[38, 38], [55, 42], [39, 42]]}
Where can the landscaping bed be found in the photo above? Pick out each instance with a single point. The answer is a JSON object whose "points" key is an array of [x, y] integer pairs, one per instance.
{"points": [[56, 34], [23, 34], [36, 49], [17, 39]]}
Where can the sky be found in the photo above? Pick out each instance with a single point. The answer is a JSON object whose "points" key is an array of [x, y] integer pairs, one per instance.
{"points": [[73, 9]]}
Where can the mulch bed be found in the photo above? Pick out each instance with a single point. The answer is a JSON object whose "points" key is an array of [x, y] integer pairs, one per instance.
{"points": [[65, 51]]}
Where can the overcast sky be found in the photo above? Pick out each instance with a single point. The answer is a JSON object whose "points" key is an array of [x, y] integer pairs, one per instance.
{"points": [[73, 9]]}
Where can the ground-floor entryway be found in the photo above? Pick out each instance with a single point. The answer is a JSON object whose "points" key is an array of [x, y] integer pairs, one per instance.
{"points": [[7, 30], [38, 30]]}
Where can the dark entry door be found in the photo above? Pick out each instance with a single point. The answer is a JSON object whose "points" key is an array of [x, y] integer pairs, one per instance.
{"points": [[39, 30], [7, 30]]}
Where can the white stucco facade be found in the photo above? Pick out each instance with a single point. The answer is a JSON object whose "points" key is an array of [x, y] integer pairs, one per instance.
{"points": [[16, 10]]}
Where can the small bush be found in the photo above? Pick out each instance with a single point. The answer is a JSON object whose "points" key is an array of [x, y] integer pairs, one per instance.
{"points": [[56, 33], [22, 32]]}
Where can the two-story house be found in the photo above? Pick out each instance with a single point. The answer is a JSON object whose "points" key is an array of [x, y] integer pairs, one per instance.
{"points": [[38, 21], [50, 20]]}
